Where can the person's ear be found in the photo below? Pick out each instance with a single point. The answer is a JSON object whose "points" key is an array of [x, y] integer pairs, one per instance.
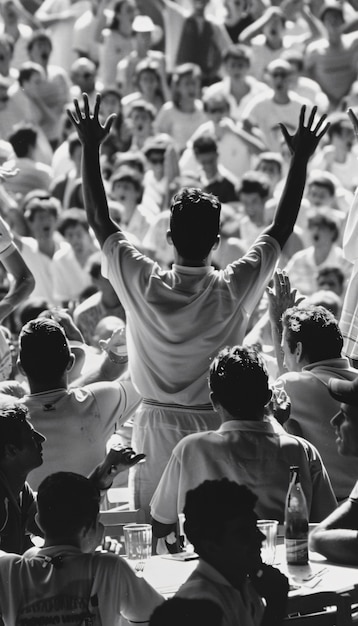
{"points": [[299, 352], [71, 362], [216, 244], [38, 521], [20, 368], [10, 451], [213, 400], [169, 238]]}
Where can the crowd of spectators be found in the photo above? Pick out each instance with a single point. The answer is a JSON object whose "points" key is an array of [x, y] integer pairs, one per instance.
{"points": [[178, 247]]}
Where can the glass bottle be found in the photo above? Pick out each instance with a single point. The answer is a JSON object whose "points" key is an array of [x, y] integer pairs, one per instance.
{"points": [[296, 521]]}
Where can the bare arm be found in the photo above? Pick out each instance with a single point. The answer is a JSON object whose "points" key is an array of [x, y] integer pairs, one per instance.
{"points": [[22, 286], [337, 536], [91, 134], [302, 146]]}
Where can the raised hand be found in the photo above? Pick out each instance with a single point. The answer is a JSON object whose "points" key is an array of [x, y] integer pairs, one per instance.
{"points": [[89, 129], [306, 138], [354, 119], [281, 297]]}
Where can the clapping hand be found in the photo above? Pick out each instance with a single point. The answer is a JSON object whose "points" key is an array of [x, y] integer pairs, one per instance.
{"points": [[89, 129], [306, 138], [282, 297]]}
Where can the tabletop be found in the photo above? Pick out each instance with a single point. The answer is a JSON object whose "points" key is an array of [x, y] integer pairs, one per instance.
{"points": [[167, 573]]}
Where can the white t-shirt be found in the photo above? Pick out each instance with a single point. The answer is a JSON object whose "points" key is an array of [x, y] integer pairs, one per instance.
{"points": [[178, 319], [35, 590], [77, 423]]}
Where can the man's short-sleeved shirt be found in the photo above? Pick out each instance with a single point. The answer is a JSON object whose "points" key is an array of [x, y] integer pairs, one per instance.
{"points": [[240, 608], [77, 423], [38, 589], [178, 319], [255, 453]]}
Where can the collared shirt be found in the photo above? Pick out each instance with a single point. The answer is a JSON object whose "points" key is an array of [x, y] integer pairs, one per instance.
{"points": [[257, 454], [240, 608], [312, 408]]}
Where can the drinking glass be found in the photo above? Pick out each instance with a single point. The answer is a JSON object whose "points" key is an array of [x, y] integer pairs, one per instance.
{"points": [[268, 527], [138, 541]]}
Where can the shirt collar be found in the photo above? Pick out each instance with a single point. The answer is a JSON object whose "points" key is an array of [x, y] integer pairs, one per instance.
{"points": [[341, 363], [267, 425]]}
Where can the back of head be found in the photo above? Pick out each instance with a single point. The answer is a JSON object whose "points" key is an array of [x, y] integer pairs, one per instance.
{"points": [[22, 139], [66, 503], [194, 223], [211, 505], [13, 415], [44, 350], [239, 380], [255, 182], [317, 330], [187, 611], [205, 144]]}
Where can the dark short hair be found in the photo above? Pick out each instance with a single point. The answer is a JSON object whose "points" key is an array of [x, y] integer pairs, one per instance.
{"points": [[322, 179], [323, 216], [237, 51], [316, 328], [27, 70], [70, 218], [22, 138], [48, 205], [13, 416], [178, 611], [239, 380], [324, 272], [211, 505], [38, 35], [255, 182], [194, 222], [205, 144], [44, 350], [66, 503]]}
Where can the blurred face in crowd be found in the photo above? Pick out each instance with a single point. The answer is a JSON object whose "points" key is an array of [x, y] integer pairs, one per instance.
{"points": [[148, 83], [330, 282], [321, 234], [253, 204], [237, 68], [79, 238], [33, 84], [141, 122], [40, 52], [188, 86], [345, 424], [209, 163], [43, 225], [319, 195], [126, 193]]}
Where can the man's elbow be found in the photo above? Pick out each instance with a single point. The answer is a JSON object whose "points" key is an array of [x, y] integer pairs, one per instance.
{"points": [[162, 530]]}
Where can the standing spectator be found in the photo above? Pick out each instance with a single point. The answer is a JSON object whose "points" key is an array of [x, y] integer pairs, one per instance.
{"points": [[32, 173], [214, 179], [54, 90], [117, 38], [11, 12], [59, 17], [266, 110], [332, 60], [83, 75], [181, 116], [148, 85], [192, 307], [238, 84]]}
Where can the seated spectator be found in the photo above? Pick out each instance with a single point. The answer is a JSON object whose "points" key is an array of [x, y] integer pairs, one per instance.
{"points": [[302, 268], [248, 448], [32, 173], [68, 417], [230, 571], [181, 116], [70, 272], [312, 345], [214, 177], [78, 582], [101, 304], [336, 536]]}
